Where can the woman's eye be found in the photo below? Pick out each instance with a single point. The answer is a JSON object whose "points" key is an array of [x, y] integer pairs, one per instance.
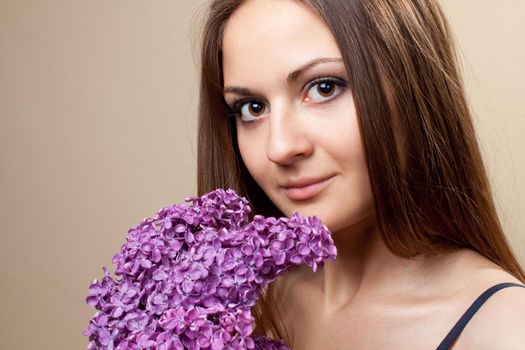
{"points": [[251, 110], [324, 90]]}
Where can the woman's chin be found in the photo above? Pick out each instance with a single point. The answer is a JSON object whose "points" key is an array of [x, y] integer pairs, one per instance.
{"points": [[335, 218], [356, 223]]}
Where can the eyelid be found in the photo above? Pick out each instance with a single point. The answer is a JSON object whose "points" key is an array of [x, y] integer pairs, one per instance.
{"points": [[237, 105], [341, 84], [321, 79]]}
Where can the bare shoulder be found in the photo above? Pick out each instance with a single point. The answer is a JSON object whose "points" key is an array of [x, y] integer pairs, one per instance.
{"points": [[500, 322]]}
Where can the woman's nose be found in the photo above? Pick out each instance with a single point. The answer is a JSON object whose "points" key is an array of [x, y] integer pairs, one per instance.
{"points": [[288, 139]]}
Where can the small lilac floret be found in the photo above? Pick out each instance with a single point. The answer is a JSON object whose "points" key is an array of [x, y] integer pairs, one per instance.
{"points": [[188, 277]]}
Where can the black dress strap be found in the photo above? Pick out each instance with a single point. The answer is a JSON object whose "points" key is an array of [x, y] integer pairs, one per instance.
{"points": [[460, 325]]}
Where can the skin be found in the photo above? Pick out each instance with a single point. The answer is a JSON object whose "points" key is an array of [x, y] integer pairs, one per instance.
{"points": [[367, 298]]}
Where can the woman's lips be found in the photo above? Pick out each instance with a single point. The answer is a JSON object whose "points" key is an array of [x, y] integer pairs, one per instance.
{"points": [[304, 189]]}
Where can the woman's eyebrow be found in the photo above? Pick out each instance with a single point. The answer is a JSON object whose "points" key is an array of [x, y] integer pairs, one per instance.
{"points": [[308, 65], [292, 77], [242, 91]]}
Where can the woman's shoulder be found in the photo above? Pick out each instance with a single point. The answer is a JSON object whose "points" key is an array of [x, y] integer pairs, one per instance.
{"points": [[499, 323], [460, 278]]}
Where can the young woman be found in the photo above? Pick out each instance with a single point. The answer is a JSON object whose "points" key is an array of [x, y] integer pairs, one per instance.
{"points": [[354, 111]]}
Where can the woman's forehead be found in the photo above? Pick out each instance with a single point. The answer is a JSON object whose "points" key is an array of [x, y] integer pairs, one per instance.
{"points": [[271, 38]]}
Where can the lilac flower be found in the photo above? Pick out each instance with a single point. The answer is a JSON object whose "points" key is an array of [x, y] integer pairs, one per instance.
{"points": [[187, 278]]}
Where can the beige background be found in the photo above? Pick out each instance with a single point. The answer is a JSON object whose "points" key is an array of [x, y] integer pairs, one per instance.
{"points": [[97, 131]]}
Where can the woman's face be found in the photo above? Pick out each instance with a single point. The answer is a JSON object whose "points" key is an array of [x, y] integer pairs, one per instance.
{"points": [[296, 122]]}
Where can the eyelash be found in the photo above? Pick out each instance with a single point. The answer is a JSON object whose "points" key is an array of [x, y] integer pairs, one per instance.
{"points": [[238, 104]]}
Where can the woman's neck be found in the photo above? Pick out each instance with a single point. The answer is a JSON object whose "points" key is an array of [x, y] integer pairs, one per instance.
{"points": [[364, 267]]}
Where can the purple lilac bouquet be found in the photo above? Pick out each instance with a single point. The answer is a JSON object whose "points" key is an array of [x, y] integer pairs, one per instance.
{"points": [[187, 278]]}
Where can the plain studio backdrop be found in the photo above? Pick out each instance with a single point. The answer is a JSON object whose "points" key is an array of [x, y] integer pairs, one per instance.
{"points": [[97, 131]]}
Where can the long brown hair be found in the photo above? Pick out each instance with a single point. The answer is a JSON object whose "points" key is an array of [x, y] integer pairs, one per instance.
{"points": [[428, 180]]}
